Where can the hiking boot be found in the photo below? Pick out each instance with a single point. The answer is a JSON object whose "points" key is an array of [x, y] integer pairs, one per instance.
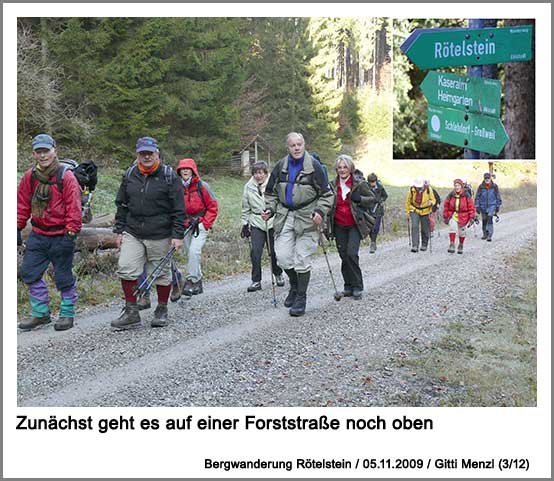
{"points": [[451, 248], [187, 288], [357, 294], [194, 288], [63, 324], [414, 249], [144, 302], [176, 290], [34, 322], [291, 297], [347, 292], [423, 248], [197, 288], [298, 308], [372, 247], [460, 248], [129, 317], [293, 281], [484, 236], [255, 286], [279, 280], [160, 316], [489, 238]]}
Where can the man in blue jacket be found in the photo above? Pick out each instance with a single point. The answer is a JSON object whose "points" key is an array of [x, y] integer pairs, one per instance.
{"points": [[487, 203]]}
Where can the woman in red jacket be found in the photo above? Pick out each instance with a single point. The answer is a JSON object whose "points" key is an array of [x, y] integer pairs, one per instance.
{"points": [[458, 213], [200, 212]]}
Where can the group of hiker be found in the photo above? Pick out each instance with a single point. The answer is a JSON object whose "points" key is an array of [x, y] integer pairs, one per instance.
{"points": [[459, 211], [289, 211]]}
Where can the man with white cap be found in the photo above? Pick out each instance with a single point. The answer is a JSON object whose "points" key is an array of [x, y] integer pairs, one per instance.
{"points": [[419, 203]]}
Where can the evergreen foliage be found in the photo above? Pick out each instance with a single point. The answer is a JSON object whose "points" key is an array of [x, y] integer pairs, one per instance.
{"points": [[204, 87]]}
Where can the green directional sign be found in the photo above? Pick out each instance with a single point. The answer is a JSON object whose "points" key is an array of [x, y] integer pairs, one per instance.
{"points": [[436, 48], [474, 131], [471, 94]]}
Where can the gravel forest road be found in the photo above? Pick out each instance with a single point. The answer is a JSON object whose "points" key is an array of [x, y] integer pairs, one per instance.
{"points": [[228, 347]]}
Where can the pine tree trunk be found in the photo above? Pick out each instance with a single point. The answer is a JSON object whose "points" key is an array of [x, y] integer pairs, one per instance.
{"points": [[519, 96]]}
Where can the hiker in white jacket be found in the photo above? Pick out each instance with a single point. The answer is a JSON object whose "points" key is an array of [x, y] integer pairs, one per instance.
{"points": [[255, 228]]}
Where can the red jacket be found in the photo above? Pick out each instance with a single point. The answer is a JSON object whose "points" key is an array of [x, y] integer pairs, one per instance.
{"points": [[466, 210], [343, 211], [63, 212], [203, 206]]}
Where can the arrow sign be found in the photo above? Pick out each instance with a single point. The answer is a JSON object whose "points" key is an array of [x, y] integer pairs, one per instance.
{"points": [[436, 48], [473, 131], [471, 94]]}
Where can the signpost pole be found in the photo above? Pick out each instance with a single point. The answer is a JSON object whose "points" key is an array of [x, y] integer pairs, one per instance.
{"points": [[474, 71]]}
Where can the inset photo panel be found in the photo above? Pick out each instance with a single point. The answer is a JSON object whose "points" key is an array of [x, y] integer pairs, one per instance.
{"points": [[464, 89]]}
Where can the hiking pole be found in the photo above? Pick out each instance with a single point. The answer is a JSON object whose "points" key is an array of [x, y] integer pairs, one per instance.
{"points": [[145, 285], [274, 301], [430, 241], [338, 295], [409, 233]]}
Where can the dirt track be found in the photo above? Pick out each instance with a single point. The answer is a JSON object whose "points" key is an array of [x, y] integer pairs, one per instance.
{"points": [[228, 347]]}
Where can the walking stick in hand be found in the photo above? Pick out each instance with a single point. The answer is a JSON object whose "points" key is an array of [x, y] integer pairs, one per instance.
{"points": [[274, 301]]}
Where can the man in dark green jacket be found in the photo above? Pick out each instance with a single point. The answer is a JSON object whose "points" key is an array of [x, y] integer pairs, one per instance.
{"points": [[299, 196]]}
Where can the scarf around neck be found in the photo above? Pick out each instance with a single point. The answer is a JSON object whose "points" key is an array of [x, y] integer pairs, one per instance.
{"points": [[41, 196], [148, 170], [344, 187]]}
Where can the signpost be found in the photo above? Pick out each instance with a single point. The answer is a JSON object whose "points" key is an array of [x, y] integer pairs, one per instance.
{"points": [[436, 48], [473, 131], [470, 94]]}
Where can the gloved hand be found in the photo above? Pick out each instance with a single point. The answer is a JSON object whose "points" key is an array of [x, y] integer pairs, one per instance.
{"points": [[496, 211], [19, 238], [267, 214], [194, 223], [245, 231], [355, 197], [477, 211]]}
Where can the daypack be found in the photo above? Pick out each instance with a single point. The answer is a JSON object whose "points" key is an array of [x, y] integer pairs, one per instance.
{"points": [[86, 174]]}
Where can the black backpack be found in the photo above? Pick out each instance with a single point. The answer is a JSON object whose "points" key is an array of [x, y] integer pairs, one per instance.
{"points": [[86, 174]]}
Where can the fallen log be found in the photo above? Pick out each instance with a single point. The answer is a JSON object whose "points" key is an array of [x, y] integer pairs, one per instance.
{"points": [[102, 220], [90, 238]]}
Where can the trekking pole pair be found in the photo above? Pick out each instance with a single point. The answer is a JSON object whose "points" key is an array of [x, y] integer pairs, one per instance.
{"points": [[147, 282], [145, 285]]}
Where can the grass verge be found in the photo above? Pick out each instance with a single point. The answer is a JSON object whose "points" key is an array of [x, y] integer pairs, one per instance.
{"points": [[492, 363]]}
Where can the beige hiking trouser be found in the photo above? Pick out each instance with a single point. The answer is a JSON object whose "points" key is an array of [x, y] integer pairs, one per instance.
{"points": [[295, 251], [137, 252]]}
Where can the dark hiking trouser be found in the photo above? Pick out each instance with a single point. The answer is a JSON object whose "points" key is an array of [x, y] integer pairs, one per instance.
{"points": [[40, 251], [488, 226], [376, 228], [348, 244], [259, 241], [419, 220]]}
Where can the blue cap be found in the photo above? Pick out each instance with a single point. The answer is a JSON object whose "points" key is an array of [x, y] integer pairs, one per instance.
{"points": [[147, 144], [486, 175], [43, 141]]}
